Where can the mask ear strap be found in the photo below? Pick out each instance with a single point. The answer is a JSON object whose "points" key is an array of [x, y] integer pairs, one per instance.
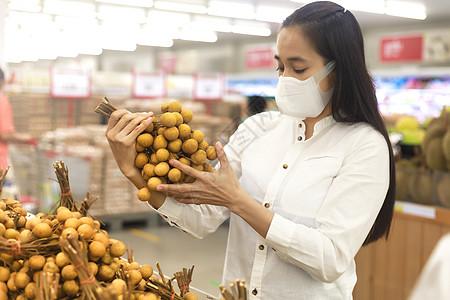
{"points": [[327, 69]]}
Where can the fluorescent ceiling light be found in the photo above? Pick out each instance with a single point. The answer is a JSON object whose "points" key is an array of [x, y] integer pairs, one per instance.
{"points": [[198, 35], [184, 7], [69, 8], [272, 14], [169, 32], [406, 10], [137, 3], [372, 6], [231, 9], [172, 19], [119, 36], [123, 14], [25, 5], [212, 23], [154, 41]]}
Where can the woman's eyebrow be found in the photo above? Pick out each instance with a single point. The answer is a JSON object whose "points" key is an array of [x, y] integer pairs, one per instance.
{"points": [[294, 58]]}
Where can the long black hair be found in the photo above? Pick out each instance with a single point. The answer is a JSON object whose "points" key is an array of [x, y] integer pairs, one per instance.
{"points": [[336, 35]]}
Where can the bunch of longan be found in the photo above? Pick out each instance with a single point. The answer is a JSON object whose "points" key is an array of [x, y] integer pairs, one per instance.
{"points": [[170, 137]]}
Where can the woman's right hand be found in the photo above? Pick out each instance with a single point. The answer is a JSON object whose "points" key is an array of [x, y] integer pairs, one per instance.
{"points": [[123, 129]]}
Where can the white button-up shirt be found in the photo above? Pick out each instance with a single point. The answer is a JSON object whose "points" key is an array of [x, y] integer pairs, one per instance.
{"points": [[325, 193]]}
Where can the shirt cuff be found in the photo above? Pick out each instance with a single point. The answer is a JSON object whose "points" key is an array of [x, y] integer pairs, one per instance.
{"points": [[280, 232], [169, 210]]}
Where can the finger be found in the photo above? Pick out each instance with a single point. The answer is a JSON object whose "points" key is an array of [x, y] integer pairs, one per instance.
{"points": [[173, 189], [221, 155], [128, 123], [115, 117], [186, 169], [137, 126]]}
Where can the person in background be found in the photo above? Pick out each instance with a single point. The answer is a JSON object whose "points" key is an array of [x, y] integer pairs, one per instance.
{"points": [[304, 188], [255, 105], [7, 129]]}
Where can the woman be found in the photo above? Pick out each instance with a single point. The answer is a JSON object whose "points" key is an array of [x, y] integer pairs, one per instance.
{"points": [[304, 188]]}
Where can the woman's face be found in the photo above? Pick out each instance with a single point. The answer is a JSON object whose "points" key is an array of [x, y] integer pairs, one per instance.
{"points": [[296, 57]]}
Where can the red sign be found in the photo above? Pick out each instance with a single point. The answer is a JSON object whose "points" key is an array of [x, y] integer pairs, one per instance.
{"points": [[398, 49], [167, 63], [257, 58]]}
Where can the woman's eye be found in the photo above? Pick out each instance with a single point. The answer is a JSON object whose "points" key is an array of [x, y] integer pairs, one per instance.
{"points": [[300, 71], [280, 69]]}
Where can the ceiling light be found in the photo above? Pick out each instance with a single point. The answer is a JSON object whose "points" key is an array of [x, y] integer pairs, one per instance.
{"points": [[406, 10], [69, 8], [154, 41], [172, 19], [119, 36], [25, 5], [231, 9], [123, 14], [272, 14], [372, 6], [137, 3], [198, 35], [212, 23], [184, 7]]}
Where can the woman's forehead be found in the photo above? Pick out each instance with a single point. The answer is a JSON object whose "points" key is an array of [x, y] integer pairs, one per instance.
{"points": [[292, 42]]}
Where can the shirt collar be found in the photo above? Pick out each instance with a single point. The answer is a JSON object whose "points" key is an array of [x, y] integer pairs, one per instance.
{"points": [[324, 123]]}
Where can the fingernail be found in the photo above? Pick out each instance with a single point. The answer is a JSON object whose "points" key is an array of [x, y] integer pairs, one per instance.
{"points": [[219, 145], [159, 188]]}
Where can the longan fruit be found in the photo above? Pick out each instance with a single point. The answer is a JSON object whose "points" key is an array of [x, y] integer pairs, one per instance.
{"points": [[119, 285], [189, 146], [107, 258], [21, 222], [187, 115], [97, 249], [146, 271], [21, 280], [69, 231], [203, 145], [153, 182], [174, 175], [63, 214], [144, 176], [162, 155], [7, 257], [4, 274], [198, 135], [62, 260], [97, 224], [87, 220], [2, 205], [175, 106], [160, 130], [2, 229], [184, 131], [94, 267], [117, 248], [36, 262], [150, 128], [189, 179], [185, 161], [86, 230], [69, 272], [160, 142], [199, 157], [190, 296], [30, 290], [168, 119], [32, 222], [71, 287], [2, 215], [50, 267], [11, 233], [72, 223], [149, 170], [101, 237], [42, 230], [211, 153], [175, 146], [105, 272], [11, 282], [144, 194], [141, 160], [153, 159], [139, 148], [9, 223], [179, 118], [164, 107], [145, 139], [171, 133], [76, 214], [208, 167], [162, 169], [135, 276], [50, 259], [198, 167]]}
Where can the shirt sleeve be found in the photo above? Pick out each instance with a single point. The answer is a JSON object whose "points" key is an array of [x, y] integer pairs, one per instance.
{"points": [[346, 216], [6, 116]]}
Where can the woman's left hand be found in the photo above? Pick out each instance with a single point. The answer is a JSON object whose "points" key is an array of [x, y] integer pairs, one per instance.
{"points": [[221, 188]]}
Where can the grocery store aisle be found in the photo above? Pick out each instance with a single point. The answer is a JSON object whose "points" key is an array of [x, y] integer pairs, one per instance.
{"points": [[175, 250]]}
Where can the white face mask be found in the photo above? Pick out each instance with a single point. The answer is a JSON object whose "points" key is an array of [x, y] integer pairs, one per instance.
{"points": [[301, 99]]}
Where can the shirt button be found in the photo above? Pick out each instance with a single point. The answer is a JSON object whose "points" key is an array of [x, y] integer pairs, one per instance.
{"points": [[261, 247], [267, 205], [300, 125], [285, 166], [254, 292], [299, 138]]}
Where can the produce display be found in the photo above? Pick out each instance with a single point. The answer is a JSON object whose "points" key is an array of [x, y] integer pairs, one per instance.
{"points": [[425, 178], [64, 254], [168, 137]]}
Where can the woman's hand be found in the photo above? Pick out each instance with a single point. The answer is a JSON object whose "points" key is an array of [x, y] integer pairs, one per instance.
{"points": [[123, 129], [221, 188]]}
